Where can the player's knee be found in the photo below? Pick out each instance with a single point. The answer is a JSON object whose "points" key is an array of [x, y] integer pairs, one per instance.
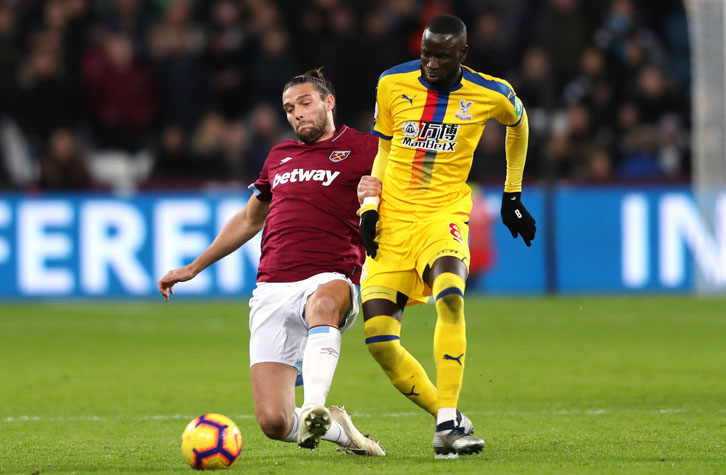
{"points": [[274, 424], [323, 310], [448, 291], [383, 340], [451, 307]]}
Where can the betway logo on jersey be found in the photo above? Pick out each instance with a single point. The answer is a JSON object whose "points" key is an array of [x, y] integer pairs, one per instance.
{"points": [[429, 136], [298, 174]]}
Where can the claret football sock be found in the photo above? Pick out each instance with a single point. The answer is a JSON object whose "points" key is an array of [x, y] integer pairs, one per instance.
{"points": [[383, 338], [319, 361], [449, 337]]}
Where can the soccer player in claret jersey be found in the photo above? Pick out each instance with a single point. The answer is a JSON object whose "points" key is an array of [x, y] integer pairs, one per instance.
{"points": [[430, 115], [311, 261]]}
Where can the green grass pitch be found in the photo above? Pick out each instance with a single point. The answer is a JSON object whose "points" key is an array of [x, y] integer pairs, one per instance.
{"points": [[554, 385]]}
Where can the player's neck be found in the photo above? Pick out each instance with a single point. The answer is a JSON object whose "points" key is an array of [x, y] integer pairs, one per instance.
{"points": [[454, 82], [328, 134]]}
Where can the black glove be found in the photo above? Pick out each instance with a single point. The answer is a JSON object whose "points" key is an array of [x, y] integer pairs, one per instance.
{"points": [[516, 217], [367, 228]]}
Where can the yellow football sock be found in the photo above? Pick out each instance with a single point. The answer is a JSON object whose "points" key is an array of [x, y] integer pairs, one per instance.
{"points": [[449, 337], [383, 338]]}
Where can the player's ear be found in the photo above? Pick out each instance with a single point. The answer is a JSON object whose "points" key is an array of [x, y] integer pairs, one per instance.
{"points": [[463, 52], [329, 102]]}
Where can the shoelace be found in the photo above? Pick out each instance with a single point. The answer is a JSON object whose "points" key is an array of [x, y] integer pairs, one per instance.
{"points": [[457, 430]]}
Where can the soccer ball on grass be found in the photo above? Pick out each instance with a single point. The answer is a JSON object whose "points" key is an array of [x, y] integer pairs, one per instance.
{"points": [[211, 441]]}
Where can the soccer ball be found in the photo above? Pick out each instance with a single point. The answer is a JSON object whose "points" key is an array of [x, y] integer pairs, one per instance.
{"points": [[211, 441]]}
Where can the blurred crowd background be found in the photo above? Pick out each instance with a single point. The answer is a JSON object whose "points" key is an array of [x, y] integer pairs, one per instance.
{"points": [[158, 94]]}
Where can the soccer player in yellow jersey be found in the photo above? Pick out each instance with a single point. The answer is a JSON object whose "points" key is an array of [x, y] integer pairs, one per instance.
{"points": [[430, 115]]}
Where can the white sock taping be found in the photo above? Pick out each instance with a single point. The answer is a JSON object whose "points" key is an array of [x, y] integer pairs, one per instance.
{"points": [[446, 414], [319, 361], [292, 436]]}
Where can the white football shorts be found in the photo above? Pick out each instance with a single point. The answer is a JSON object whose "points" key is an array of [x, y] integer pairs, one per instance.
{"points": [[278, 330]]}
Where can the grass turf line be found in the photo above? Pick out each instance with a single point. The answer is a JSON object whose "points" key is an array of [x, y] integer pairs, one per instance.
{"points": [[571, 385]]}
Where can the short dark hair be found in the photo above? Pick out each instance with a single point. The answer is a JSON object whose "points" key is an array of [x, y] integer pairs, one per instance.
{"points": [[318, 79], [446, 25]]}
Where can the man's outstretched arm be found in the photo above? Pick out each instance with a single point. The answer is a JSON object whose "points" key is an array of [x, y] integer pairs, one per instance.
{"points": [[239, 229]]}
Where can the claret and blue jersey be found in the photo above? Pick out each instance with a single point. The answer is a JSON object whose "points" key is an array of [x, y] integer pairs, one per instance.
{"points": [[312, 226]]}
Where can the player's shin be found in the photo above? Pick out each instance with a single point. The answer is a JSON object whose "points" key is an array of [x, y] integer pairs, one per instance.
{"points": [[319, 362], [449, 337], [383, 338]]}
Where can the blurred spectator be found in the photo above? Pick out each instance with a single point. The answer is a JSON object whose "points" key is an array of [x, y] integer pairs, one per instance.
{"points": [[272, 66], [46, 97], [592, 70], [674, 152], [530, 84], [121, 95], [568, 33], [580, 130], [342, 61], [652, 96], [173, 159], [63, 166], [512, 18], [602, 105], [530, 81], [488, 46], [388, 50], [598, 168], [226, 59], [10, 58], [265, 132], [262, 15], [558, 150], [641, 158], [489, 156], [234, 144], [421, 15], [197, 84], [676, 42], [78, 28], [128, 18], [622, 31], [176, 48], [209, 146]]}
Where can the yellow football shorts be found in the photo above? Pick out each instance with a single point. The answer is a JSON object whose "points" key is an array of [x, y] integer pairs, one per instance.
{"points": [[405, 248]]}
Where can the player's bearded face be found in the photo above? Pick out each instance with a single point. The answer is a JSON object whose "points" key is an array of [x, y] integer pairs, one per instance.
{"points": [[311, 127], [307, 112]]}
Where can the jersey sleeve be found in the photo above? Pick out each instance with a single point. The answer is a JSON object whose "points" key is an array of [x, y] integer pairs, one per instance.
{"points": [[261, 187], [382, 120], [371, 151], [508, 109]]}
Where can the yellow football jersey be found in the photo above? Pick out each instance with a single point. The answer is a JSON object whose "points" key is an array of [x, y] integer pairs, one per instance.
{"points": [[433, 134]]}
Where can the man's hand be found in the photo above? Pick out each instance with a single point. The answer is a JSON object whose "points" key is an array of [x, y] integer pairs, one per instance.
{"points": [[368, 187], [166, 283], [369, 191], [367, 227], [516, 217]]}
